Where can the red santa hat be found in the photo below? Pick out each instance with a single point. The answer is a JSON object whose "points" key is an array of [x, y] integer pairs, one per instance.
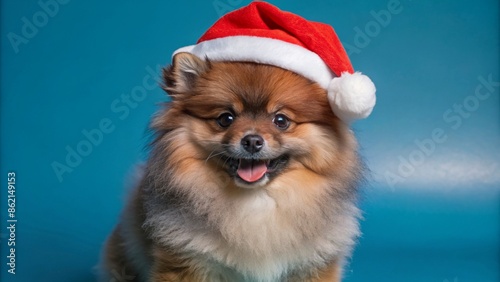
{"points": [[262, 33]]}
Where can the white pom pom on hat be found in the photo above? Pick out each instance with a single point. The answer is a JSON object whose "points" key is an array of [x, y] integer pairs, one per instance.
{"points": [[262, 33], [352, 96]]}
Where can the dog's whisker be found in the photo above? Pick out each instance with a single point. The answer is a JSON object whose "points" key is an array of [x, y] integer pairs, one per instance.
{"points": [[212, 155], [209, 156]]}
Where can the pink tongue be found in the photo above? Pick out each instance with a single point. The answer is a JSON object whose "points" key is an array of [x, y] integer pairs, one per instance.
{"points": [[251, 170]]}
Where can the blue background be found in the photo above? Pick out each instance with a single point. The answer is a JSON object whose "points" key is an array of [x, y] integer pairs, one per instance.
{"points": [[430, 213]]}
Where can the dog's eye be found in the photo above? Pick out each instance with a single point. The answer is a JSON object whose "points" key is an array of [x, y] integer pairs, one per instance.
{"points": [[225, 119], [281, 121]]}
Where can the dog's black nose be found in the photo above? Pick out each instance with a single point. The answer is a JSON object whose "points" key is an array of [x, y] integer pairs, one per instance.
{"points": [[252, 143]]}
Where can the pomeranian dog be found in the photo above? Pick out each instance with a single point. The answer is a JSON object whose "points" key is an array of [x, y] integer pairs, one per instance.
{"points": [[251, 177]]}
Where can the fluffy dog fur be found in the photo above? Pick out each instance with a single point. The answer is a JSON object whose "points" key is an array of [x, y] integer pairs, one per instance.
{"points": [[192, 218]]}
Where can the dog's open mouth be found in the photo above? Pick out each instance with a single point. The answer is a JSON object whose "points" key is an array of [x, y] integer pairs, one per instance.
{"points": [[253, 170]]}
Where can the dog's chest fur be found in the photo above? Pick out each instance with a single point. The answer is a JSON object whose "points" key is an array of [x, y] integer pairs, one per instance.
{"points": [[255, 236]]}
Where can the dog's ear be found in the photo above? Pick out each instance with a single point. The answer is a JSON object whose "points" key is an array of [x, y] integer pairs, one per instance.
{"points": [[180, 77]]}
